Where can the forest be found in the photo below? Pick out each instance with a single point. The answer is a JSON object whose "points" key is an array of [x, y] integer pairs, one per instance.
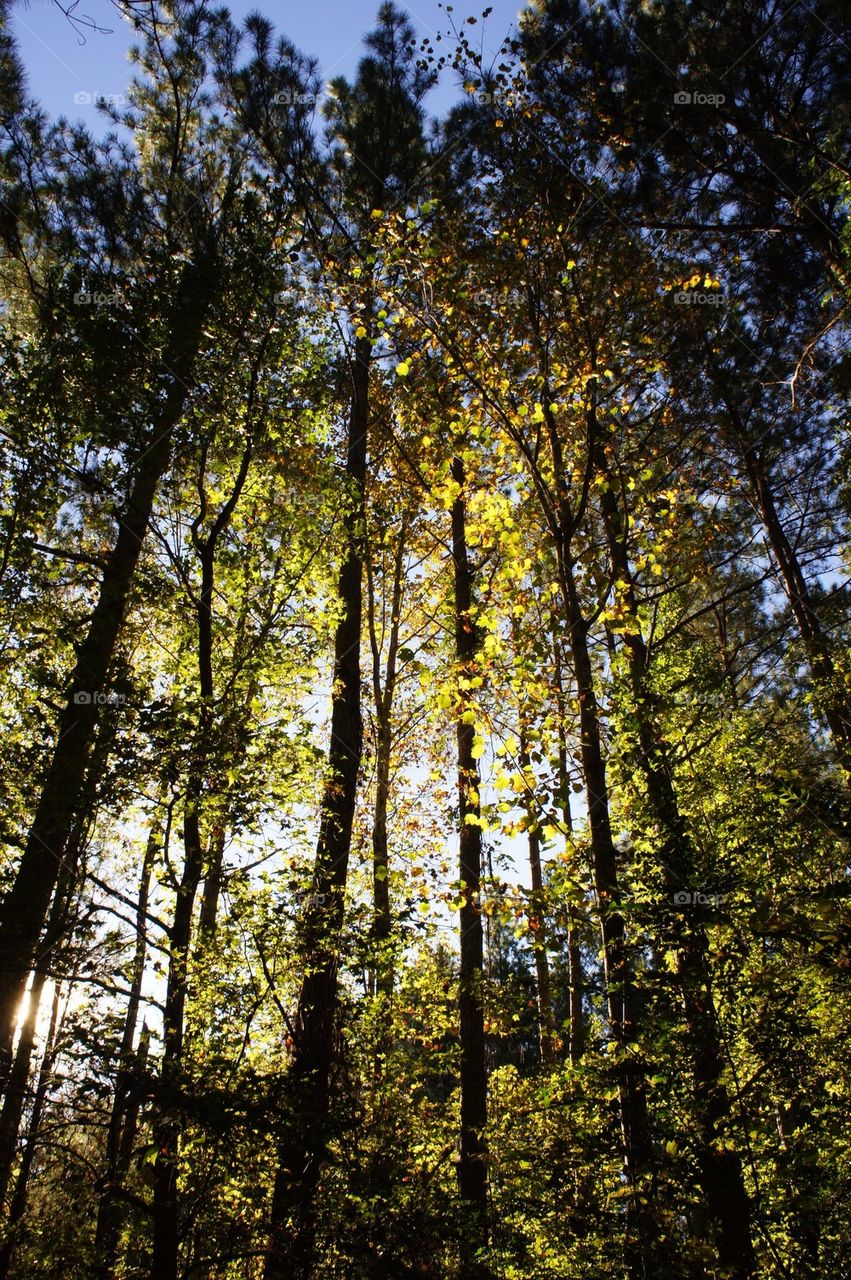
{"points": [[426, 686]]}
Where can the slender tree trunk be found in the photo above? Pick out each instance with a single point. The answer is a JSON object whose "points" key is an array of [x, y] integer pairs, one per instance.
{"points": [[643, 1242], [472, 1159], [831, 698], [540, 932], [25, 906], [16, 1090], [208, 915], [18, 1207], [168, 1124], [110, 1210], [721, 1174], [302, 1143], [575, 972], [384, 689], [576, 981], [382, 981], [638, 1153], [130, 1127]]}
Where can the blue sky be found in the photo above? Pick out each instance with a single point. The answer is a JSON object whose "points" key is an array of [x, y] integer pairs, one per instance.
{"points": [[66, 71]]}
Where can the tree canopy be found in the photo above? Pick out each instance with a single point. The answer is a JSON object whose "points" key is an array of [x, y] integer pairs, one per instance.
{"points": [[426, 683]]}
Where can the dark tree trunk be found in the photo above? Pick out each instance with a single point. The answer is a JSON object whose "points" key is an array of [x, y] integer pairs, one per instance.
{"points": [[25, 906], [721, 1174], [302, 1143], [539, 929], [16, 1090], [575, 972], [638, 1152], [384, 690], [576, 982], [209, 913], [168, 1124], [831, 698], [472, 1157], [643, 1242], [18, 1207], [110, 1208], [381, 919]]}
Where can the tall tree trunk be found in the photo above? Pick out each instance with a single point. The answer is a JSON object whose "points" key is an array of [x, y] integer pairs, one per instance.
{"points": [[831, 697], [472, 1158], [25, 906], [539, 930], [384, 689], [209, 914], [18, 1207], [721, 1174], [643, 1245], [638, 1152], [110, 1212], [302, 1142], [575, 972], [16, 1090], [168, 1124]]}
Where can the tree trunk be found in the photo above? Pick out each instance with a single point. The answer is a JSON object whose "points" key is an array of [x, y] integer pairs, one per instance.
{"points": [[301, 1146], [831, 699], [25, 906], [472, 1158], [539, 930], [643, 1243], [638, 1153], [721, 1174], [384, 690], [208, 915], [110, 1212], [18, 1207], [16, 1091], [167, 1127], [575, 972]]}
